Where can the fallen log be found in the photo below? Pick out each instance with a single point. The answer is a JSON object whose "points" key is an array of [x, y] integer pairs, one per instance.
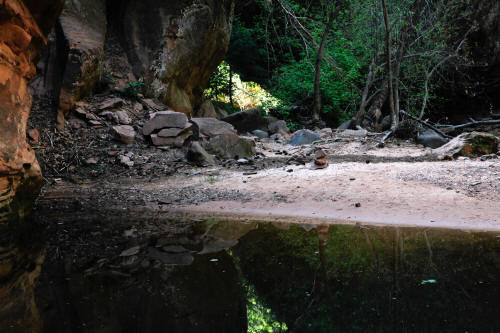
{"points": [[473, 123], [435, 129]]}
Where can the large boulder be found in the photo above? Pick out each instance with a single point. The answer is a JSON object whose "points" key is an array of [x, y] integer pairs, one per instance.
{"points": [[211, 127], [175, 45], [472, 144], [23, 32], [431, 139], [303, 137], [247, 120], [231, 146]]}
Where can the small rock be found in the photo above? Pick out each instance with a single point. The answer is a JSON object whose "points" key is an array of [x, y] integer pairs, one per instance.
{"points": [[242, 161], [125, 160], [95, 123], [138, 106], [125, 133], [260, 134], [111, 104], [303, 137], [92, 161], [131, 252], [123, 118]]}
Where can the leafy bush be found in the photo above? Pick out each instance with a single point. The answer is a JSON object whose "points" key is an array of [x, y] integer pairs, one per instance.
{"points": [[133, 89]]}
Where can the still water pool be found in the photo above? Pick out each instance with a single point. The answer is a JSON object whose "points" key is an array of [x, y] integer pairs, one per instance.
{"points": [[224, 276]]}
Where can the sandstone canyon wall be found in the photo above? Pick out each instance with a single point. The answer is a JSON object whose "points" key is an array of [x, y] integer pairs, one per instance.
{"points": [[173, 45], [23, 30]]}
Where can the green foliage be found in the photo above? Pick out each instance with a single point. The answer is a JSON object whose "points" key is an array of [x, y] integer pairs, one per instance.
{"points": [[219, 85], [133, 89], [271, 48], [260, 318], [226, 87]]}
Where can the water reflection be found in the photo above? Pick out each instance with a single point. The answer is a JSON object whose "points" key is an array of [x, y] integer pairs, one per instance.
{"points": [[225, 276]]}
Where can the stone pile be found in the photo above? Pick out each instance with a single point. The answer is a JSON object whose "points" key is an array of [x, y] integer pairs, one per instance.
{"points": [[168, 128]]}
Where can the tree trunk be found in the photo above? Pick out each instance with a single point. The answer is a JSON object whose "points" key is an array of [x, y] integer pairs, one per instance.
{"points": [[397, 71], [317, 73], [230, 86], [375, 111], [394, 116], [364, 97]]}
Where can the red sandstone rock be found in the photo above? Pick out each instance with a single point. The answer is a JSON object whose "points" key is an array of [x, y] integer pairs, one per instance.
{"points": [[22, 34]]}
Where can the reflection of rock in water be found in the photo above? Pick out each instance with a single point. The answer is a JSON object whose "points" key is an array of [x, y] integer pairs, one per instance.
{"points": [[205, 296], [313, 278], [224, 235], [180, 281]]}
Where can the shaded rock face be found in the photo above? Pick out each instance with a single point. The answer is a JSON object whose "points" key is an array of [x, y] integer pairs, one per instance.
{"points": [[22, 35], [174, 45], [72, 63]]}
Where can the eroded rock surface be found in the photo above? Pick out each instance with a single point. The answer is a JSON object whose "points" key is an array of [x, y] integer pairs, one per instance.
{"points": [[23, 29], [174, 45]]}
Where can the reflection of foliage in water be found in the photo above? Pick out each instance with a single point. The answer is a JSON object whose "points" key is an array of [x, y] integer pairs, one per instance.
{"points": [[357, 279], [260, 318]]}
